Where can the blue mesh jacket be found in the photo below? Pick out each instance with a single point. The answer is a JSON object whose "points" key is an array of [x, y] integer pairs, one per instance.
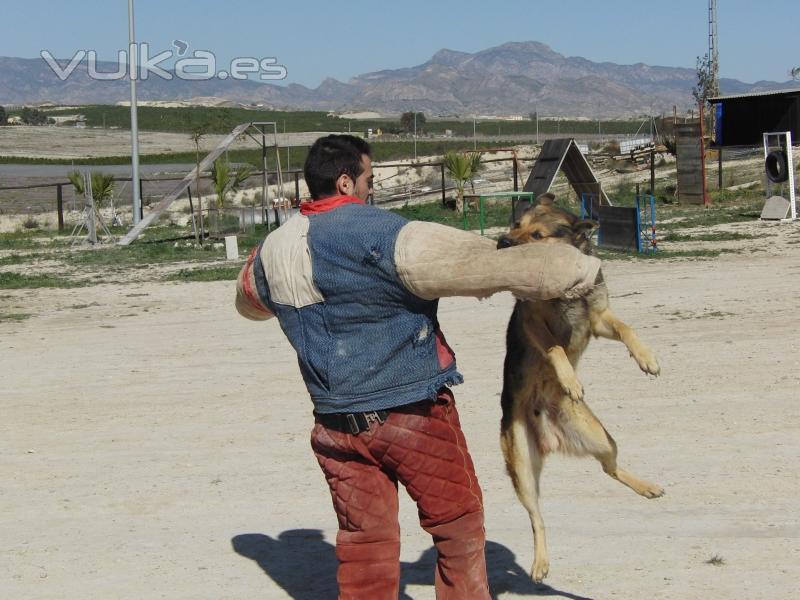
{"points": [[364, 342]]}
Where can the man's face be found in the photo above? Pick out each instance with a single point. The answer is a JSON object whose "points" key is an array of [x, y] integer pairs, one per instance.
{"points": [[363, 184]]}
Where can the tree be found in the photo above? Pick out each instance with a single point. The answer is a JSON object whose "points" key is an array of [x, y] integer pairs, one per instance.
{"points": [[407, 121], [34, 116], [462, 168], [706, 86], [795, 73], [102, 185], [226, 181], [3, 116], [197, 133]]}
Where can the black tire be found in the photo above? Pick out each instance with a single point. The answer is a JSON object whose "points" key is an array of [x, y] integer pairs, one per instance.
{"points": [[777, 166]]}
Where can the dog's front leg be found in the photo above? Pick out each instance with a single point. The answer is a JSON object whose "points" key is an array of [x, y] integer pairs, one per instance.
{"points": [[540, 336], [605, 324]]}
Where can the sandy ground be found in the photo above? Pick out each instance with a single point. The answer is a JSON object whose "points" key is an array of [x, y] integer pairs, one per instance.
{"points": [[74, 143], [155, 445]]}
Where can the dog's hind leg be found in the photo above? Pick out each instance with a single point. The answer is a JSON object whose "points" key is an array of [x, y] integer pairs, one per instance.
{"points": [[605, 324], [524, 463], [585, 434]]}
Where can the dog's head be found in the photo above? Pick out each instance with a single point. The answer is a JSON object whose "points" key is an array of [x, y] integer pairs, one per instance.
{"points": [[547, 224]]}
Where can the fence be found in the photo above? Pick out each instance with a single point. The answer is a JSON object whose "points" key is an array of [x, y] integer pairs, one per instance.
{"points": [[60, 196]]}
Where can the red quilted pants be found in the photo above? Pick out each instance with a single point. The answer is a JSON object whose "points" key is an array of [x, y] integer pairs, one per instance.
{"points": [[421, 446]]}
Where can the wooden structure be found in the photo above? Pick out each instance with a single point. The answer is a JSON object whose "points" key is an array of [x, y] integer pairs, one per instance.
{"points": [[565, 156], [690, 163]]}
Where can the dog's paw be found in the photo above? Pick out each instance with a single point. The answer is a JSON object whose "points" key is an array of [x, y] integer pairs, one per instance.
{"points": [[572, 388], [539, 570], [652, 491], [647, 361]]}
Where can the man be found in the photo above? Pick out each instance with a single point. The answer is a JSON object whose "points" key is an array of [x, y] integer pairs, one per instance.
{"points": [[355, 289]]}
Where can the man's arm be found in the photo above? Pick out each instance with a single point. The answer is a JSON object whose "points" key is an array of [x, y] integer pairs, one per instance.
{"points": [[249, 302], [436, 261]]}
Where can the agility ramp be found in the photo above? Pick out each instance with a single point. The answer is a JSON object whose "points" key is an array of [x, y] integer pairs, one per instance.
{"points": [[184, 183], [563, 155]]}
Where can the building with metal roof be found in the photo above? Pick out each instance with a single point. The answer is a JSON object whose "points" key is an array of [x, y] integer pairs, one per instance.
{"points": [[742, 119]]}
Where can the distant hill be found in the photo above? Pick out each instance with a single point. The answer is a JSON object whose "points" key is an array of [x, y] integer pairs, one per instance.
{"points": [[516, 78]]}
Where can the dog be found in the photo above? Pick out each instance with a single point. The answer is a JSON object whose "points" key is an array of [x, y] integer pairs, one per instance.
{"points": [[542, 398]]}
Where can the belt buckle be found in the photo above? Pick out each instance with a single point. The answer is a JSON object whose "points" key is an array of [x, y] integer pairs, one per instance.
{"points": [[373, 417], [352, 423]]}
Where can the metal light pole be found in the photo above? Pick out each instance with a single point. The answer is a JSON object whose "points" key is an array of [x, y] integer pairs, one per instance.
{"points": [[415, 136], [133, 65]]}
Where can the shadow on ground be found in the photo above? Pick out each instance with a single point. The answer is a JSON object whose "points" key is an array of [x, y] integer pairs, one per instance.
{"points": [[302, 563]]}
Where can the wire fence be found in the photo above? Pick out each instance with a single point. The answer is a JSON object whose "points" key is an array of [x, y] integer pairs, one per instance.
{"points": [[395, 183]]}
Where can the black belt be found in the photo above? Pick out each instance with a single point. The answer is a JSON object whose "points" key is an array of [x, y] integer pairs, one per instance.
{"points": [[353, 423]]}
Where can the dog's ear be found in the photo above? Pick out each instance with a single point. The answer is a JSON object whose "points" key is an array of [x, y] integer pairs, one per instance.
{"points": [[584, 227], [546, 199]]}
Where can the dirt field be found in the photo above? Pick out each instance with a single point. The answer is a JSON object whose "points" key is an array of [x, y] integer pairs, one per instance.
{"points": [[155, 445], [73, 143]]}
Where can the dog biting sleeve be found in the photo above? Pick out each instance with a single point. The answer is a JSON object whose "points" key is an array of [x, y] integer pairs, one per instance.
{"points": [[436, 261], [250, 302]]}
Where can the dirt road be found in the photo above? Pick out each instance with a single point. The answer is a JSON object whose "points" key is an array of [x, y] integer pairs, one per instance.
{"points": [[155, 445]]}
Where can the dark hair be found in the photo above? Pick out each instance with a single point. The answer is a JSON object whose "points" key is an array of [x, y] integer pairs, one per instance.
{"points": [[330, 157]]}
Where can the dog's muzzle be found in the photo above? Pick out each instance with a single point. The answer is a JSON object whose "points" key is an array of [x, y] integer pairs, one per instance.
{"points": [[504, 242]]}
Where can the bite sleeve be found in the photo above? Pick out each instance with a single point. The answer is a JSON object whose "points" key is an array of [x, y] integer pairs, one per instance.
{"points": [[437, 261]]}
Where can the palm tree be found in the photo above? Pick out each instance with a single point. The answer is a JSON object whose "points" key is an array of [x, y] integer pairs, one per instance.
{"points": [[226, 181], [198, 132], [462, 168], [102, 185]]}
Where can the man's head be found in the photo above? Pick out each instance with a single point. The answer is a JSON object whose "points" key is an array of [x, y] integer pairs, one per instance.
{"points": [[339, 165]]}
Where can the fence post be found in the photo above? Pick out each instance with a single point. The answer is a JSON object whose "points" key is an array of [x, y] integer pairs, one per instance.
{"points": [[60, 206], [444, 194], [297, 186], [141, 199], [516, 175], [652, 171]]}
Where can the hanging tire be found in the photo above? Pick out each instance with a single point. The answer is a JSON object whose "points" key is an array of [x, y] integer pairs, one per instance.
{"points": [[777, 166]]}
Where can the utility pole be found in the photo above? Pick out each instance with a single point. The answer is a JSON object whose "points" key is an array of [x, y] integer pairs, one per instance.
{"points": [[286, 140], [133, 65], [474, 138], [713, 48], [415, 136], [537, 124]]}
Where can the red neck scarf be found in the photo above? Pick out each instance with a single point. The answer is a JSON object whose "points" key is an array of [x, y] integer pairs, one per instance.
{"points": [[320, 206]]}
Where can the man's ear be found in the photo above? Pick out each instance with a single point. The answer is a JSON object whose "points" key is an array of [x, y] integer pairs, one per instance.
{"points": [[584, 227], [344, 185]]}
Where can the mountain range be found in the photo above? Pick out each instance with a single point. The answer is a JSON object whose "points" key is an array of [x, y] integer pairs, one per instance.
{"points": [[516, 78]]}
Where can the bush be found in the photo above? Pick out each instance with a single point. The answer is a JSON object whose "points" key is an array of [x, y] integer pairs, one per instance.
{"points": [[30, 223]]}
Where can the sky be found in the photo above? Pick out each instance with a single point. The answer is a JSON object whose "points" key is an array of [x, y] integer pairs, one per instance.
{"points": [[316, 39]]}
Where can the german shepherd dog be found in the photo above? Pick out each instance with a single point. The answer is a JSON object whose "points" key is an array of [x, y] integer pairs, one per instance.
{"points": [[542, 399]]}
